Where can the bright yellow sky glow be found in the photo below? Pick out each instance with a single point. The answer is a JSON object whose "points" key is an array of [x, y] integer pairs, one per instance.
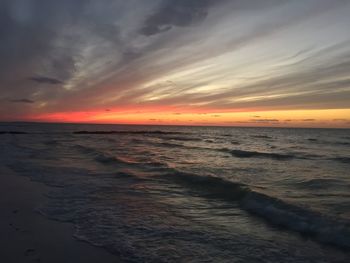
{"points": [[335, 118]]}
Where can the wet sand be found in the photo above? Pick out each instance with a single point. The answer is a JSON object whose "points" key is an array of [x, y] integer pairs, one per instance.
{"points": [[27, 236]]}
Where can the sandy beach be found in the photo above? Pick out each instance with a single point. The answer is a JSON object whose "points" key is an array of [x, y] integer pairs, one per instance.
{"points": [[27, 236]]}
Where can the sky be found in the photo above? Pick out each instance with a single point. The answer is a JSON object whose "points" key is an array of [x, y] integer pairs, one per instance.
{"points": [[182, 62]]}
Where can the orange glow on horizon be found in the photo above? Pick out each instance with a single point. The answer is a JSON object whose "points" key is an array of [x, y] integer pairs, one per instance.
{"points": [[332, 118]]}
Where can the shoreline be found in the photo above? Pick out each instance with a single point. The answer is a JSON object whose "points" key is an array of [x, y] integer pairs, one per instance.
{"points": [[27, 236]]}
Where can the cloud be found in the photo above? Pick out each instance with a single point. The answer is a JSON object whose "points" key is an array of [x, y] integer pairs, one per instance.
{"points": [[22, 101], [222, 55], [264, 120], [47, 80], [176, 13]]}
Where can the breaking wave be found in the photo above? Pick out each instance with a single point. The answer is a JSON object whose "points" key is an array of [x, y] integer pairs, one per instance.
{"points": [[255, 154], [273, 210]]}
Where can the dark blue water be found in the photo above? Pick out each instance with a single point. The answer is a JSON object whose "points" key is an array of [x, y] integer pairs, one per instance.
{"points": [[193, 194]]}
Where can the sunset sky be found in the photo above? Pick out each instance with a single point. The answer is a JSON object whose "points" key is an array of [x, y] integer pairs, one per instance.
{"points": [[187, 62]]}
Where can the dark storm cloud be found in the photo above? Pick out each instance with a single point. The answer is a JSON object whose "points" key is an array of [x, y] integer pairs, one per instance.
{"points": [[173, 13]]}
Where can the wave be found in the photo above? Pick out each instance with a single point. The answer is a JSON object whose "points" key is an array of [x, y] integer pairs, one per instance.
{"points": [[255, 154], [169, 144], [51, 142], [85, 149], [262, 136], [306, 222], [342, 159], [344, 143], [109, 159], [127, 132], [275, 211], [96, 154], [104, 158], [236, 153], [183, 146], [12, 132], [101, 157], [322, 183], [178, 138]]}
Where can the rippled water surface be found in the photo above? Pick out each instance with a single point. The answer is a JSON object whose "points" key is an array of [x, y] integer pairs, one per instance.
{"points": [[193, 194]]}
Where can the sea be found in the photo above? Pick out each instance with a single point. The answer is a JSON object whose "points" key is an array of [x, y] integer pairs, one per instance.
{"points": [[192, 194]]}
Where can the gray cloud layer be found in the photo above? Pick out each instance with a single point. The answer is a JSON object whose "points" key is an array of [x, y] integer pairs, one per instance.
{"points": [[47, 80], [80, 55], [176, 13]]}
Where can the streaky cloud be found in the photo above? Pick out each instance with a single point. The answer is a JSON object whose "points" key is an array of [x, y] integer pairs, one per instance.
{"points": [[208, 55], [22, 101], [176, 13], [46, 80]]}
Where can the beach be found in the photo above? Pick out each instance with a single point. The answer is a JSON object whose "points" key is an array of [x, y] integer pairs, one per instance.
{"points": [[27, 236]]}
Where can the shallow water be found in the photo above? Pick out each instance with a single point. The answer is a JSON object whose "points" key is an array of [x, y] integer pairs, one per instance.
{"points": [[193, 194]]}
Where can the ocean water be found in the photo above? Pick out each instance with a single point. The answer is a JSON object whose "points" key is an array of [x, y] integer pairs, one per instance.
{"points": [[192, 194]]}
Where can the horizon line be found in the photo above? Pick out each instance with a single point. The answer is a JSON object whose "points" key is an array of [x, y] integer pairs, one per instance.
{"points": [[172, 125]]}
